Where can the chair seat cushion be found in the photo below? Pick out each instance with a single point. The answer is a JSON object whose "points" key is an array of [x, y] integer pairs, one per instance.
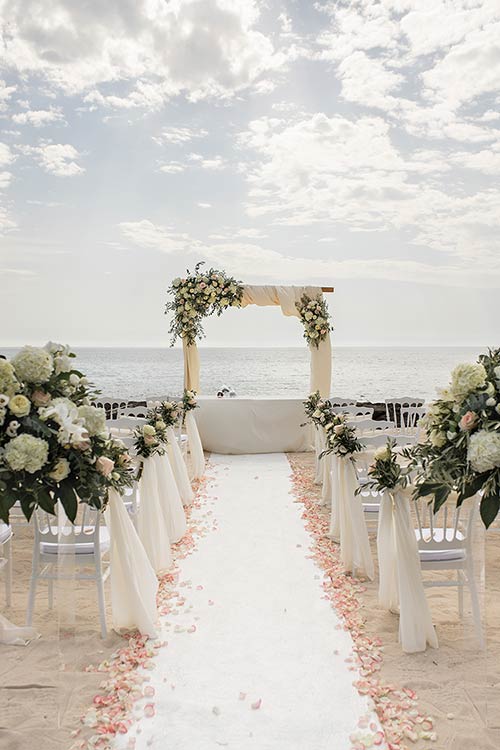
{"points": [[79, 548], [446, 553], [5, 533]]}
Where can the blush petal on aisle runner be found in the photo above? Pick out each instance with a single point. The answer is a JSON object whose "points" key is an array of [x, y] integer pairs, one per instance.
{"points": [[256, 657]]}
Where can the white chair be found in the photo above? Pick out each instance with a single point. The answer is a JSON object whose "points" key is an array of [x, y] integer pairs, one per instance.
{"points": [[410, 417], [112, 406], [354, 411], [393, 407], [369, 425], [445, 543], [134, 411], [123, 426], [6, 559], [87, 541], [340, 401]]}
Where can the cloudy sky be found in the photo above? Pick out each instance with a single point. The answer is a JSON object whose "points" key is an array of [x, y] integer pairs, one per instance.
{"points": [[354, 144]]}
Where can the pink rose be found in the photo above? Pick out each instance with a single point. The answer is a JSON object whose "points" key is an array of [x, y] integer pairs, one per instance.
{"points": [[468, 421], [125, 459], [40, 398], [338, 429], [104, 466], [150, 440]]}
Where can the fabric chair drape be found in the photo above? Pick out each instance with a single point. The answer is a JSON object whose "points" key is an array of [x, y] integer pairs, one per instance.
{"points": [[195, 447], [170, 499], [179, 468], [355, 550], [151, 525], [400, 575]]}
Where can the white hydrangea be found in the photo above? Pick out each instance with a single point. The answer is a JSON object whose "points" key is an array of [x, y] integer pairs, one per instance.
{"points": [[467, 378], [33, 365], [8, 382], [95, 420], [26, 452], [484, 451]]}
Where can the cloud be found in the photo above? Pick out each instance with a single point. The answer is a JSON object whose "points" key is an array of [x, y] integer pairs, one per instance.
{"points": [[59, 159], [146, 234], [173, 167], [38, 117], [5, 94], [200, 48], [178, 136]]}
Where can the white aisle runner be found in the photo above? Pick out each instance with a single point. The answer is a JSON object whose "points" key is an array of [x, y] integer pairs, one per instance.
{"points": [[264, 634]]}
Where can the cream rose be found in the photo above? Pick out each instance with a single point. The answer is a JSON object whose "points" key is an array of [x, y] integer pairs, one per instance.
{"points": [[382, 454], [20, 406], [61, 470]]}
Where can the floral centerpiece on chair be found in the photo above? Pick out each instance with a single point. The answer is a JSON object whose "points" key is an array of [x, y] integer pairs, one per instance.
{"points": [[54, 445], [341, 438], [189, 402], [319, 411], [462, 451], [386, 472]]}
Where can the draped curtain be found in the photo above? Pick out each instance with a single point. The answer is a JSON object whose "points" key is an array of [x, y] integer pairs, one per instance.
{"points": [[285, 297]]}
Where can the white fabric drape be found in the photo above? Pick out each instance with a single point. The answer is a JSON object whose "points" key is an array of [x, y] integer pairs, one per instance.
{"points": [[151, 526], [355, 550], [334, 532], [286, 297], [318, 447], [326, 474], [195, 447], [132, 578], [191, 366], [170, 500], [400, 575], [15, 635], [179, 468]]}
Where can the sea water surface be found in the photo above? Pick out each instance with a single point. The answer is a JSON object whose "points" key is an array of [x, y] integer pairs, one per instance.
{"points": [[371, 373]]}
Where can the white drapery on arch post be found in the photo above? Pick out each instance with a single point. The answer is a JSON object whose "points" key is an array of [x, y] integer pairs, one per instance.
{"points": [[286, 297]]}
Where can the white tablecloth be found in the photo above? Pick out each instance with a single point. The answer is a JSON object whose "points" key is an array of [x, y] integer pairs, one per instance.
{"points": [[252, 425]]}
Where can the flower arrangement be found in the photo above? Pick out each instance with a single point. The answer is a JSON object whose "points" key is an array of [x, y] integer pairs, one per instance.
{"points": [[386, 473], [341, 438], [169, 412], [54, 445], [197, 296], [188, 402], [318, 410], [462, 451], [315, 318]]}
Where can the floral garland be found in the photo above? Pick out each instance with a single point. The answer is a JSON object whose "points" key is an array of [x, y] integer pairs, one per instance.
{"points": [[197, 296], [341, 439], [168, 412], [54, 445], [462, 449], [319, 411], [315, 318]]}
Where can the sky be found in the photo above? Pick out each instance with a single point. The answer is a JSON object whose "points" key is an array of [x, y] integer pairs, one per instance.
{"points": [[353, 144]]}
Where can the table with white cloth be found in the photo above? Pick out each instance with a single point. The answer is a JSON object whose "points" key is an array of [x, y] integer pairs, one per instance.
{"points": [[252, 425]]}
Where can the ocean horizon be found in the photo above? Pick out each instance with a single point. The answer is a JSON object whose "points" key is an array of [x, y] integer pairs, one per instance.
{"points": [[369, 373]]}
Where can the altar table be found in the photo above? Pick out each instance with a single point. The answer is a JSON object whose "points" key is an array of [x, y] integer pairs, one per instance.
{"points": [[252, 425]]}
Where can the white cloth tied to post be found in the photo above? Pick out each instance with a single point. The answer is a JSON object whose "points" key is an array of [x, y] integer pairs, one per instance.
{"points": [[132, 578], [400, 574], [151, 524], [170, 500], [15, 635], [319, 446], [355, 550], [179, 468], [285, 297], [334, 532], [195, 447]]}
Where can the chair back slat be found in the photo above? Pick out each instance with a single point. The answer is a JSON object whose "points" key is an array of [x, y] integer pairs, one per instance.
{"points": [[448, 529], [341, 401], [354, 411], [393, 406]]}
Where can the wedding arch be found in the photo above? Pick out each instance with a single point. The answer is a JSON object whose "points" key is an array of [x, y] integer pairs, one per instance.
{"points": [[205, 293]]}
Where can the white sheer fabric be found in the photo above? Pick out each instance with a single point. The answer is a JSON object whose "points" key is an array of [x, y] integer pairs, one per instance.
{"points": [[195, 446], [326, 477], [355, 550], [179, 468], [286, 297], [400, 576], [319, 445], [170, 500], [334, 516], [132, 578], [15, 635], [151, 525]]}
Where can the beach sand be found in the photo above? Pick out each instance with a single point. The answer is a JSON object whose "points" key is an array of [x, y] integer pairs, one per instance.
{"points": [[45, 688]]}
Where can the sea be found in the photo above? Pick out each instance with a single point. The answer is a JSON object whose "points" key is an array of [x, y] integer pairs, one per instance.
{"points": [[363, 373]]}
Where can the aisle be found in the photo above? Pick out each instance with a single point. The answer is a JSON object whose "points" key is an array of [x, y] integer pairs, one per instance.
{"points": [[256, 657]]}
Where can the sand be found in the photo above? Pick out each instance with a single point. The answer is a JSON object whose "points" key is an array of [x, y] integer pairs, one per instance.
{"points": [[45, 688]]}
